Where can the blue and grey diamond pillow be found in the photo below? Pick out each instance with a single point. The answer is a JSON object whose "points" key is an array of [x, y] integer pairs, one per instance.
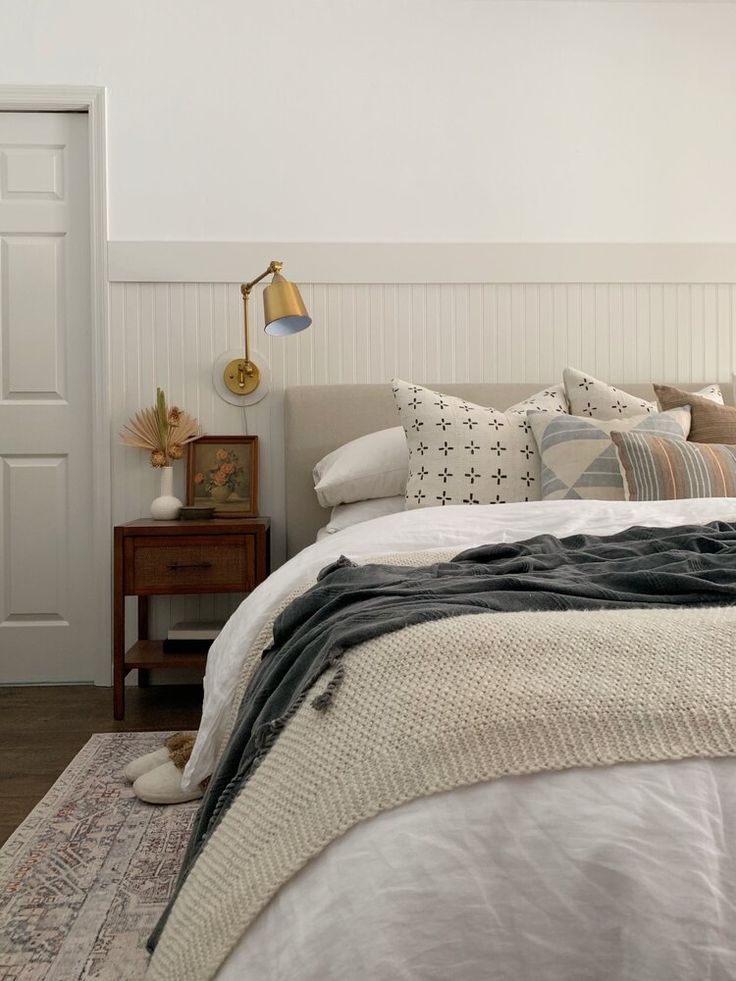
{"points": [[578, 457]]}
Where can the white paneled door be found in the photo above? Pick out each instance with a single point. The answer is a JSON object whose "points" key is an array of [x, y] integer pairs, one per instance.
{"points": [[46, 574]]}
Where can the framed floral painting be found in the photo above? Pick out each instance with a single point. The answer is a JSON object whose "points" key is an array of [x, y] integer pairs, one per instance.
{"points": [[223, 471]]}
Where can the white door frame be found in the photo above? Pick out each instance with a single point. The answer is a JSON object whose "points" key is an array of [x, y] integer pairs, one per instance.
{"points": [[92, 100]]}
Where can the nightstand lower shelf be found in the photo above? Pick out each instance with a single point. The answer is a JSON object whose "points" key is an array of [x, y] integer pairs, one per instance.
{"points": [[149, 654]]}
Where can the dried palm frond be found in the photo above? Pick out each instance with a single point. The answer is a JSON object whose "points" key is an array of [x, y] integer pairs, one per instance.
{"points": [[161, 431]]}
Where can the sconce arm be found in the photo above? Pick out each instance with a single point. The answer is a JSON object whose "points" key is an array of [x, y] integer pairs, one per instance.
{"points": [[245, 288], [274, 267]]}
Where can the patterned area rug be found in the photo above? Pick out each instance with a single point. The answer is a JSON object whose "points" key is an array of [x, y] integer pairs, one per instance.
{"points": [[84, 878]]}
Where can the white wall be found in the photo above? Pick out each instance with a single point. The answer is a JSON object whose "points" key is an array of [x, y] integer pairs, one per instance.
{"points": [[401, 120], [432, 121], [170, 334]]}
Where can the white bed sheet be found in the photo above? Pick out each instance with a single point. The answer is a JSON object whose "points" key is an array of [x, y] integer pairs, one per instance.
{"points": [[624, 873], [425, 528]]}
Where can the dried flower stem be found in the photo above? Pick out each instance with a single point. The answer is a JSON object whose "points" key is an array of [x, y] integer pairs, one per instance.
{"points": [[161, 431]]}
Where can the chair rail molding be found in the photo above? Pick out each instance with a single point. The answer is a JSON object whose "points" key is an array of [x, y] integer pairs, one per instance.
{"points": [[91, 100], [421, 263]]}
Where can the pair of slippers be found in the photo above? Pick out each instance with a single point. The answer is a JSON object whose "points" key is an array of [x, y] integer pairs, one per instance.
{"points": [[156, 777]]}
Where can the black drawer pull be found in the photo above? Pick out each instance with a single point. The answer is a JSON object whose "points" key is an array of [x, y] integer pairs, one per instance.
{"points": [[180, 566]]}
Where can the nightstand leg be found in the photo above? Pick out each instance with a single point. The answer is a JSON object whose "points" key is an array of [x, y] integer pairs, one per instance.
{"points": [[119, 692], [143, 674], [118, 630]]}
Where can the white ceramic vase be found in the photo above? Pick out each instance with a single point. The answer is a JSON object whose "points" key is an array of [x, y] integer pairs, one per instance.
{"points": [[166, 507]]}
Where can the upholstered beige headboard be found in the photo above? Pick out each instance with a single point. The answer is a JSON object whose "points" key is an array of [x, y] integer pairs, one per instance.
{"points": [[320, 418]]}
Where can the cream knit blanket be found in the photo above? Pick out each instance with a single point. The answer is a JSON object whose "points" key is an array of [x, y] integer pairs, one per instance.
{"points": [[444, 704]]}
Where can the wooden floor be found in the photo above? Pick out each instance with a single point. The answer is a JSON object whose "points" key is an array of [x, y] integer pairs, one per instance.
{"points": [[42, 729]]}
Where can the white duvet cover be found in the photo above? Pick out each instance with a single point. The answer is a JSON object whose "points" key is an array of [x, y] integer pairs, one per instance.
{"points": [[624, 873], [424, 528]]}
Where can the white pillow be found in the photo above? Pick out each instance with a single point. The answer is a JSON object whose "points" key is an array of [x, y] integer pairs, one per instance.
{"points": [[589, 396], [345, 515], [372, 466]]}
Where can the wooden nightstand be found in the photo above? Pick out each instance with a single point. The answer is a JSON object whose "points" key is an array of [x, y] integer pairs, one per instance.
{"points": [[165, 557]]}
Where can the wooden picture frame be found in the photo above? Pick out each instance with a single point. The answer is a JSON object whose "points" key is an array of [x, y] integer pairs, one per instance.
{"points": [[223, 471]]}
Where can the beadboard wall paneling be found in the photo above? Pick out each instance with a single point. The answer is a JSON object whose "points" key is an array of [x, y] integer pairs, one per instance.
{"points": [[170, 334]]}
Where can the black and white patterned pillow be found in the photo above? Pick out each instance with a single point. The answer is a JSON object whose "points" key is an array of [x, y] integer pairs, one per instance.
{"points": [[591, 397], [461, 453]]}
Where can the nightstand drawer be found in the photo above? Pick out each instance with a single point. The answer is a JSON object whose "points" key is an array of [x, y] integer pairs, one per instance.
{"points": [[199, 564]]}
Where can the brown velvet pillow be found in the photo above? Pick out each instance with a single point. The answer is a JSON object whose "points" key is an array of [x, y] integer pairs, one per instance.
{"points": [[710, 422]]}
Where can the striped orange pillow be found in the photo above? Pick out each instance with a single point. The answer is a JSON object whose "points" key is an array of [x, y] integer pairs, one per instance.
{"points": [[655, 468]]}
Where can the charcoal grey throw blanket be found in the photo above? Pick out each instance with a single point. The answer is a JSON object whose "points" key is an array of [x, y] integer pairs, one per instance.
{"points": [[349, 604]]}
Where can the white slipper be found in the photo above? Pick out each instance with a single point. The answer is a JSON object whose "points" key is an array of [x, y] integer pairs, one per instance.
{"points": [[145, 763], [163, 786]]}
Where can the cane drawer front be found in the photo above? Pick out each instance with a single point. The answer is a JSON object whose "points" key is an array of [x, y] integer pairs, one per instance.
{"points": [[200, 564]]}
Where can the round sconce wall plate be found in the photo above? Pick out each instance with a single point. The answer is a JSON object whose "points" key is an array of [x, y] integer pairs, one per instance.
{"points": [[218, 379]]}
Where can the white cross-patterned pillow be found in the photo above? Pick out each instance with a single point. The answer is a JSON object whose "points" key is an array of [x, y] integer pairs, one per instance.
{"points": [[595, 399], [462, 453]]}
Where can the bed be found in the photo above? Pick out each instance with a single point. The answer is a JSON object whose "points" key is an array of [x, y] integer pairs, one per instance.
{"points": [[625, 871]]}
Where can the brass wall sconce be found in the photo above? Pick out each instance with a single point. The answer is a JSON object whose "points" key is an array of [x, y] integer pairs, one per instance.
{"points": [[242, 380]]}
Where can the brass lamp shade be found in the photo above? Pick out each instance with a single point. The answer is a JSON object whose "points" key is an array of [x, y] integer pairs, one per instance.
{"points": [[284, 308]]}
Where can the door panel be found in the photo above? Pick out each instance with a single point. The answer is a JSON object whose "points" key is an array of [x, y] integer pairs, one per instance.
{"points": [[46, 574], [32, 173], [34, 335], [37, 550]]}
